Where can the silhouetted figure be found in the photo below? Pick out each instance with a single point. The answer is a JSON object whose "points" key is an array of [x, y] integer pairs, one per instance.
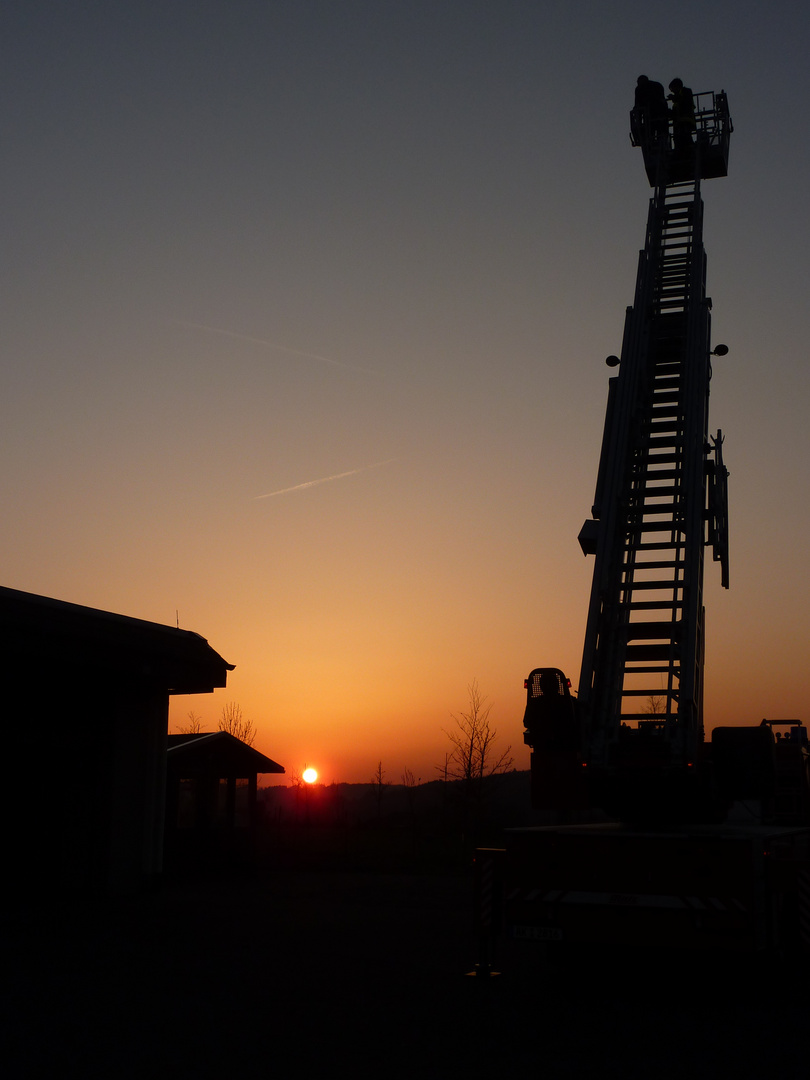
{"points": [[651, 109], [683, 117]]}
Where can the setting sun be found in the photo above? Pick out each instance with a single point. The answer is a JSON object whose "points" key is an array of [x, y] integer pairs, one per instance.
{"points": [[309, 776]]}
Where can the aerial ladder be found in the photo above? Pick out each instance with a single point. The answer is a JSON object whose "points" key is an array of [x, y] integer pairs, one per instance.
{"points": [[661, 499], [654, 835]]}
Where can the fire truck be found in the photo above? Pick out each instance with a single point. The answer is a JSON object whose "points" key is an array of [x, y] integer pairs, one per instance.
{"points": [[661, 837]]}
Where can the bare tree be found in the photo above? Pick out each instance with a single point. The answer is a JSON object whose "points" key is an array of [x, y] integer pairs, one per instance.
{"points": [[472, 759], [474, 755], [234, 723], [193, 725], [409, 782], [656, 705], [380, 784], [408, 779]]}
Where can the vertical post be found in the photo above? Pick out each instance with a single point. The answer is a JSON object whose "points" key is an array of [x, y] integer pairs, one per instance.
{"points": [[487, 906]]}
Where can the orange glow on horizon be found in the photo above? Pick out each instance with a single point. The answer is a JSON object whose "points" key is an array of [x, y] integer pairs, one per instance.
{"points": [[379, 431]]}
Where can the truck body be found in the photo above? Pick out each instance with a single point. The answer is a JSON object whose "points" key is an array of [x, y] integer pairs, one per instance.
{"points": [[737, 886]]}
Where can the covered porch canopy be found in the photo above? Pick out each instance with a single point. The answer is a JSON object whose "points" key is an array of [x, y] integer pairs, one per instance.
{"points": [[212, 780]]}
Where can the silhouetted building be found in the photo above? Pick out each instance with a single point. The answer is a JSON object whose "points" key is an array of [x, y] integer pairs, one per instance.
{"points": [[211, 812], [85, 717]]}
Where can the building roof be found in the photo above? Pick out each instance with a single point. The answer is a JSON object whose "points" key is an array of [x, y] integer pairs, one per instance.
{"points": [[217, 752], [40, 631]]}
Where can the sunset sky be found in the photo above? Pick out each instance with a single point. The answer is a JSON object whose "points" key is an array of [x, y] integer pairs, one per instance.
{"points": [[305, 309]]}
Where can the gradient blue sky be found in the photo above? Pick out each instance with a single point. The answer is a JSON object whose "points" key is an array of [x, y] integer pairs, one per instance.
{"points": [[247, 246]]}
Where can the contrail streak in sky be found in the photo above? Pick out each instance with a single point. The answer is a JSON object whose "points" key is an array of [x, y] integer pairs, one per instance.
{"points": [[271, 345], [325, 479]]}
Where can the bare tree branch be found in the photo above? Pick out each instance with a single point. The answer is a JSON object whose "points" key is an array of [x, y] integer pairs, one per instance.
{"points": [[193, 725], [474, 754], [655, 705], [473, 758], [234, 723], [380, 784]]}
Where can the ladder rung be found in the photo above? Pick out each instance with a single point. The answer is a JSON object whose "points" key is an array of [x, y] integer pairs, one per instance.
{"points": [[644, 586], [648, 653], [666, 425], [657, 546], [654, 526], [637, 515], [644, 490], [647, 492], [645, 631], [662, 564], [660, 443], [649, 669], [650, 605]]}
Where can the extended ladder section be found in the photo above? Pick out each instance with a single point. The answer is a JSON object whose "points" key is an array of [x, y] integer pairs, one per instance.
{"points": [[660, 574], [660, 499]]}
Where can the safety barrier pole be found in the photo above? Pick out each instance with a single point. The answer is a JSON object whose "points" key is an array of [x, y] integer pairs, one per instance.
{"points": [[487, 906]]}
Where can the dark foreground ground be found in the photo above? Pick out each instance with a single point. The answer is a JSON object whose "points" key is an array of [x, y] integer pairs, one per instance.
{"points": [[362, 974]]}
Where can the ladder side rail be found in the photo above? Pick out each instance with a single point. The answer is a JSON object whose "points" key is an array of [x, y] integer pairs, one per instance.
{"points": [[696, 406], [655, 509], [604, 573], [621, 399], [602, 668]]}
